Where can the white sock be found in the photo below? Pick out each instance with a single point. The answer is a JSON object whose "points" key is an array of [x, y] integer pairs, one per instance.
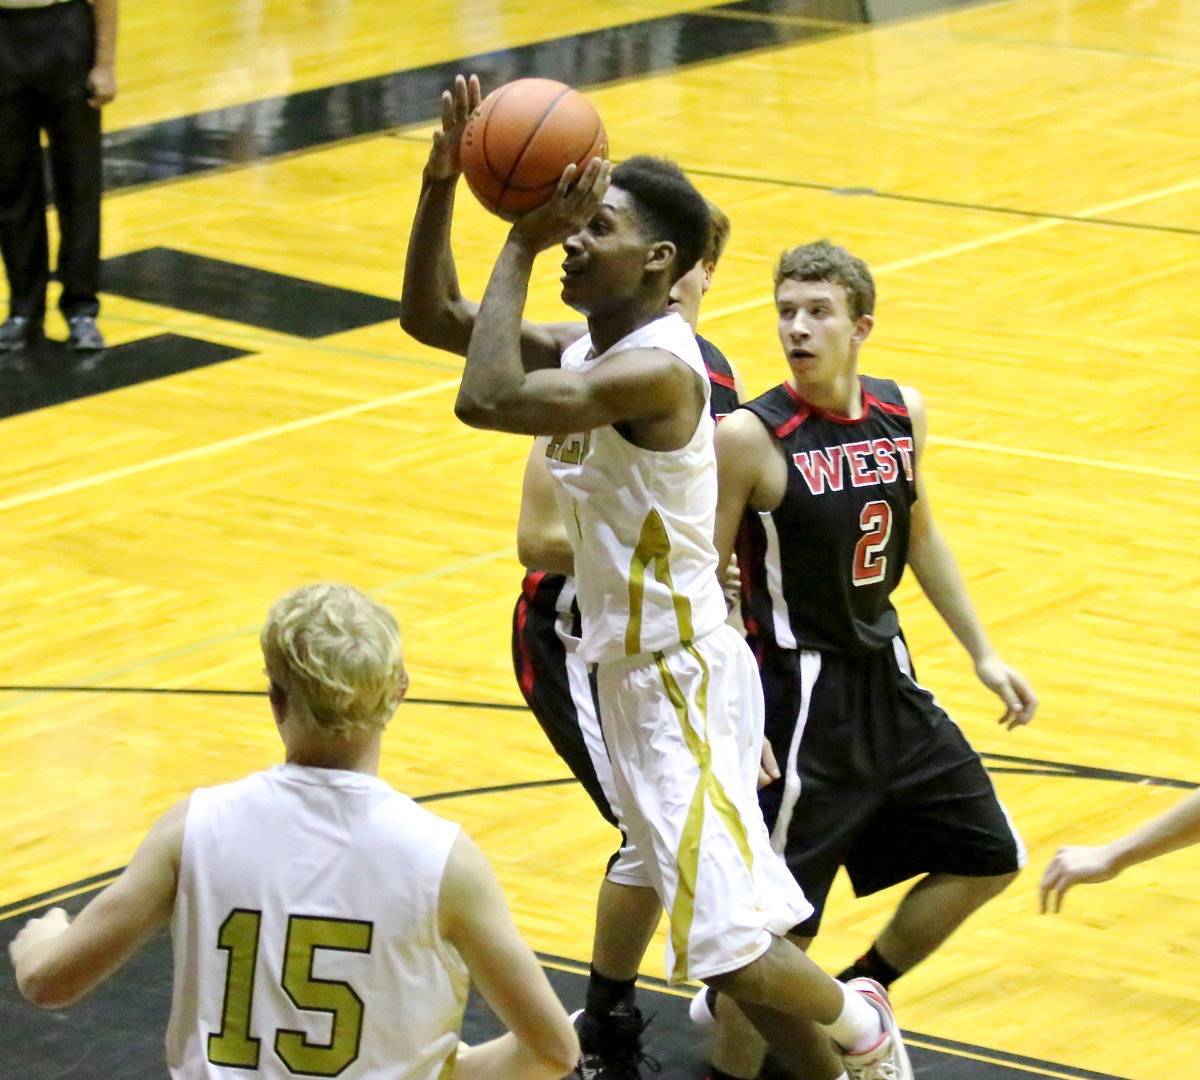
{"points": [[858, 1027]]}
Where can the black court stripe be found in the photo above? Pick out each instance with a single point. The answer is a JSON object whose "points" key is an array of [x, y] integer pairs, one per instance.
{"points": [[1006, 763], [281, 303], [1035, 1066], [93, 883], [49, 374], [241, 135], [191, 691], [98, 881], [952, 204]]}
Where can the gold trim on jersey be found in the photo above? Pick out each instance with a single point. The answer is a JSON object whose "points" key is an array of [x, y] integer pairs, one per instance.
{"points": [[653, 551], [449, 1064], [708, 785]]}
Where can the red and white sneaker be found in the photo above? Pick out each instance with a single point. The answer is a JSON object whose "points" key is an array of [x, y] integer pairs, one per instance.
{"points": [[887, 1059]]}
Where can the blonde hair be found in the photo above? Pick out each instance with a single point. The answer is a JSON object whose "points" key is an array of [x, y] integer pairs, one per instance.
{"points": [[337, 653]]}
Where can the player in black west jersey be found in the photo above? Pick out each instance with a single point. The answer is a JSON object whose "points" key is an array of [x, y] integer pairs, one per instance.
{"points": [[558, 690], [821, 494]]}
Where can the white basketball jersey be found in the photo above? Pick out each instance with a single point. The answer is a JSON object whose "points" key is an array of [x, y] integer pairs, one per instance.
{"points": [[640, 521], [306, 933]]}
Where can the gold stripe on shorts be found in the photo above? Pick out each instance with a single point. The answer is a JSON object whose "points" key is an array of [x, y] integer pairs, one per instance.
{"points": [[687, 858]]}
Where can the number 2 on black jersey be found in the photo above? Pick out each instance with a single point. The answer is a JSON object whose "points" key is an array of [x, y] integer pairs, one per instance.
{"points": [[234, 1046], [870, 564]]}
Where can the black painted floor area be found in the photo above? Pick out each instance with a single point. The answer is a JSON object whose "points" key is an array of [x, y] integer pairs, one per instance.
{"points": [[117, 1033]]}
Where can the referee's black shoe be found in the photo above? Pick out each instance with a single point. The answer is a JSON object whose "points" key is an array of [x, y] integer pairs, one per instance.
{"points": [[611, 1049], [17, 331], [84, 335]]}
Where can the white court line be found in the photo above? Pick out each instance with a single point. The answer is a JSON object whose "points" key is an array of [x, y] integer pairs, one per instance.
{"points": [[224, 444], [1066, 459], [296, 425]]}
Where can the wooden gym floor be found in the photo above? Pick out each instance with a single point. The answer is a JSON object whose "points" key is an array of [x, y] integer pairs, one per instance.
{"points": [[1023, 177]]}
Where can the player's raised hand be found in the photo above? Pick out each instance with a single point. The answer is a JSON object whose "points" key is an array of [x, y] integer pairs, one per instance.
{"points": [[1010, 687], [457, 106], [1074, 866], [573, 204]]}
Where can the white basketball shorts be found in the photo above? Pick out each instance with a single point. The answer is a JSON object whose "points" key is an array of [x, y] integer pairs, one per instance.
{"points": [[684, 732]]}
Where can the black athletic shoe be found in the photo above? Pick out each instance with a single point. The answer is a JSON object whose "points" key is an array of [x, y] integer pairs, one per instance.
{"points": [[612, 1049]]}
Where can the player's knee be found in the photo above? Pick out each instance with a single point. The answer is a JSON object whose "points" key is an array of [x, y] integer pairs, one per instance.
{"points": [[742, 984], [1000, 882], [985, 888]]}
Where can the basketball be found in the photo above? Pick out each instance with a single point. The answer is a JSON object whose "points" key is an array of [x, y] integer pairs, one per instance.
{"points": [[517, 143]]}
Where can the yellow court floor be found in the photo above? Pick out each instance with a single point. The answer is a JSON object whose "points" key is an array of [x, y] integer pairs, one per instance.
{"points": [[1024, 179]]}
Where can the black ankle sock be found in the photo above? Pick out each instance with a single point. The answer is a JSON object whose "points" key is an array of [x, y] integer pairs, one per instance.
{"points": [[872, 966], [609, 997]]}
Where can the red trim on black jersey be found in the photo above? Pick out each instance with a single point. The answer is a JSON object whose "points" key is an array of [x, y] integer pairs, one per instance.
{"points": [[806, 409], [532, 583], [726, 381], [525, 676], [886, 406], [788, 426]]}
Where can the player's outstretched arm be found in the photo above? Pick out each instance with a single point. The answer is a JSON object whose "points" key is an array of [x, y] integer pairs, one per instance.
{"points": [[432, 307], [940, 579], [57, 961], [541, 1042], [542, 542], [1178, 827]]}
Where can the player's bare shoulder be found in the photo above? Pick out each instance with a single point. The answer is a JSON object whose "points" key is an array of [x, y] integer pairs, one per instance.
{"points": [[751, 470], [743, 441]]}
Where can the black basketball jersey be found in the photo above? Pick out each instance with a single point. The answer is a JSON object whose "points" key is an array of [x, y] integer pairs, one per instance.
{"points": [[542, 588], [723, 399], [819, 570]]}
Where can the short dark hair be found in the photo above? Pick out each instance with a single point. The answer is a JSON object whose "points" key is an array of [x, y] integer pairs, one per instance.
{"points": [[668, 206], [718, 234], [824, 261]]}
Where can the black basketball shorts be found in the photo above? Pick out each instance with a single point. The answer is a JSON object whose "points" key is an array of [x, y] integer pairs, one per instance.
{"points": [[875, 777], [557, 687]]}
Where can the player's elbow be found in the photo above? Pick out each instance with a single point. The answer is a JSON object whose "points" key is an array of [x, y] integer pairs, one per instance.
{"points": [[543, 549], [440, 326], [477, 412], [417, 323], [43, 990]]}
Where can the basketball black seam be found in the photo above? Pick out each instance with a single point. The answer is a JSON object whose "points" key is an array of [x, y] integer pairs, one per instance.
{"points": [[500, 92], [505, 185]]}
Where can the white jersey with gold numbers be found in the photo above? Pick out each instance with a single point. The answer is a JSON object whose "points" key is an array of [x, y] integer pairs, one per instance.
{"points": [[640, 521], [306, 933]]}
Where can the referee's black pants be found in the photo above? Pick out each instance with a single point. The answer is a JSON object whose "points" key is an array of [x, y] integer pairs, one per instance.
{"points": [[46, 55]]}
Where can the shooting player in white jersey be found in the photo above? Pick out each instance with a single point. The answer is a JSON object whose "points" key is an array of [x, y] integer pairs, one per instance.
{"points": [[322, 923], [556, 685], [631, 448], [553, 679]]}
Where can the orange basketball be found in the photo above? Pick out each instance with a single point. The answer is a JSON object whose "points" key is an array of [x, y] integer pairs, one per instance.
{"points": [[524, 133]]}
